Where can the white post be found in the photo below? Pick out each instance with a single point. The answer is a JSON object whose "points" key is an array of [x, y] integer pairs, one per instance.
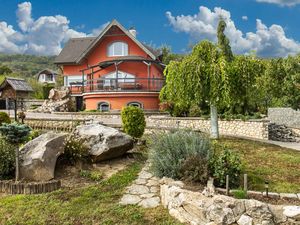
{"points": [[214, 122]]}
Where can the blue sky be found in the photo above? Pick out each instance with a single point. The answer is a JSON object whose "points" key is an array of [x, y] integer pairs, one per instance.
{"points": [[268, 27]]}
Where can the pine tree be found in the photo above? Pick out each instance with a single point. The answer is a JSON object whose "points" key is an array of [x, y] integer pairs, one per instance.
{"points": [[223, 41]]}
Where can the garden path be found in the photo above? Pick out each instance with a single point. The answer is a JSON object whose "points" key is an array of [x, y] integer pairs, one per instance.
{"points": [[144, 191]]}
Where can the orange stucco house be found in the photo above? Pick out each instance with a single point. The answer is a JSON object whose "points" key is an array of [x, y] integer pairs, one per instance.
{"points": [[112, 70]]}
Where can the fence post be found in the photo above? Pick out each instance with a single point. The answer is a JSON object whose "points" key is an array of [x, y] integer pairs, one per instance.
{"points": [[227, 184], [245, 184]]}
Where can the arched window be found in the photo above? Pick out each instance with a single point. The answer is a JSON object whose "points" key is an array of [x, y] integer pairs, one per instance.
{"points": [[135, 104], [103, 106], [117, 48]]}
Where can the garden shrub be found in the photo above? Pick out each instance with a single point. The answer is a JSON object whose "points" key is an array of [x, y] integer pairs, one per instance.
{"points": [[75, 149], [195, 111], [4, 118], [7, 159], [225, 163], [172, 153], [133, 121]]}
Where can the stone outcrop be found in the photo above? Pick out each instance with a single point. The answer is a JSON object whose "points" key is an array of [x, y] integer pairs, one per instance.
{"points": [[282, 133], [38, 157], [197, 209], [103, 142], [59, 101]]}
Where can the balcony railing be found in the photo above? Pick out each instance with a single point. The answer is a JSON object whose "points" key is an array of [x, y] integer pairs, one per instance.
{"points": [[118, 85]]}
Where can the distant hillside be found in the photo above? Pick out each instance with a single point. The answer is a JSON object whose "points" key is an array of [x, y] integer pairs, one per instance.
{"points": [[27, 66]]}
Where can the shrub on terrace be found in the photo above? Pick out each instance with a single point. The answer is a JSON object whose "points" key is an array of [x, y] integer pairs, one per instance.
{"points": [[133, 121]]}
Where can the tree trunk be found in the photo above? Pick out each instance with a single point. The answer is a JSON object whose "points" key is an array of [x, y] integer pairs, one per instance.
{"points": [[17, 163], [214, 122]]}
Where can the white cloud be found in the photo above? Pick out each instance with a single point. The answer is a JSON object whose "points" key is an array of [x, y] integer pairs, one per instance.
{"points": [[245, 18], [43, 36], [265, 41], [282, 2]]}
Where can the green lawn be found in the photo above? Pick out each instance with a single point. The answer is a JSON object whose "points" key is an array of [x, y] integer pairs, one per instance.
{"points": [[97, 204], [279, 166]]}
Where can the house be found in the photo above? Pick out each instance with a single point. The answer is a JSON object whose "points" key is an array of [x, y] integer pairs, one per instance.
{"points": [[112, 70], [47, 76], [13, 91]]}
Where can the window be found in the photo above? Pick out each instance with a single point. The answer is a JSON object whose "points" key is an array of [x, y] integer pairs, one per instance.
{"points": [[122, 78], [103, 107], [135, 104], [74, 80], [118, 49]]}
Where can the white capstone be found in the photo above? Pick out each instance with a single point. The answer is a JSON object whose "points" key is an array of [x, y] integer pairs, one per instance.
{"points": [[245, 220]]}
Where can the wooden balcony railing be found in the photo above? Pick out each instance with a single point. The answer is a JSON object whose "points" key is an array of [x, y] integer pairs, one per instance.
{"points": [[118, 85]]}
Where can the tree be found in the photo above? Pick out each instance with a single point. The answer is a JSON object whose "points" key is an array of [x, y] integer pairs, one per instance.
{"points": [[15, 134], [223, 41], [198, 79], [4, 70]]}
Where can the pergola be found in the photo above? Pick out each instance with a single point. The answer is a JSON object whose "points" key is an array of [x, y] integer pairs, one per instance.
{"points": [[14, 90]]}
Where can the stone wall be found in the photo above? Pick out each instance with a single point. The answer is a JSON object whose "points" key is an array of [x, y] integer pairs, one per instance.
{"points": [[286, 116], [195, 208], [250, 129], [54, 124]]}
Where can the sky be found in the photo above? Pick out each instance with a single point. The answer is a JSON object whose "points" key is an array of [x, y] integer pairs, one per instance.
{"points": [[270, 28]]}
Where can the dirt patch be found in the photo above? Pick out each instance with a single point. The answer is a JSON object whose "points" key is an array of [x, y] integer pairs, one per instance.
{"points": [[70, 175]]}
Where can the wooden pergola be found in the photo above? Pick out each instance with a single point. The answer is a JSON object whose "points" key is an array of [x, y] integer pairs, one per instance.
{"points": [[14, 90]]}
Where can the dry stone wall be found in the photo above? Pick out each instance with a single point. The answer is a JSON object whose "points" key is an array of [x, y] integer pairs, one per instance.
{"points": [[249, 129], [286, 116]]}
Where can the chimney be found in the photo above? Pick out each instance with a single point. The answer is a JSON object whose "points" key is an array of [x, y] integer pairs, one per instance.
{"points": [[132, 30]]}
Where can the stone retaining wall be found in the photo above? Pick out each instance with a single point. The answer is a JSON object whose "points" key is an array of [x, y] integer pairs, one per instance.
{"points": [[10, 187], [286, 116], [250, 129], [195, 208], [54, 124]]}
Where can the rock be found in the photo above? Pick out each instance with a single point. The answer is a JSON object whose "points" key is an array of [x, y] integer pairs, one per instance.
{"points": [[38, 157], [104, 142], [209, 190], [292, 212], [282, 133], [277, 211], [245, 220], [145, 175], [55, 94], [150, 202], [220, 215], [128, 199], [138, 189], [59, 101], [259, 211]]}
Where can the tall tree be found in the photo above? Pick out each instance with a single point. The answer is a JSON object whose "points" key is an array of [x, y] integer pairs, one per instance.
{"points": [[199, 77], [223, 41]]}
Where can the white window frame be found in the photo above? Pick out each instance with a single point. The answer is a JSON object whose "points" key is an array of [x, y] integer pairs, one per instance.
{"points": [[102, 103], [111, 49], [130, 78], [73, 78], [136, 102]]}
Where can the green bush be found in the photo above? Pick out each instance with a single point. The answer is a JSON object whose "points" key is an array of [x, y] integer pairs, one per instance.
{"points": [[133, 121], [172, 153], [7, 159], [75, 150], [226, 163], [4, 118], [239, 194], [195, 111]]}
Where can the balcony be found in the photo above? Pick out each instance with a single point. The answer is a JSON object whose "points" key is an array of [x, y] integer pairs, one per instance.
{"points": [[118, 85]]}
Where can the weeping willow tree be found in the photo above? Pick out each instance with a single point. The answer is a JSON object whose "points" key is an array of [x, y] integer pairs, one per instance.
{"points": [[199, 78]]}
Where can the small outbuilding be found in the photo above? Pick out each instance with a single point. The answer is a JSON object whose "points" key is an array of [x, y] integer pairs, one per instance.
{"points": [[13, 91]]}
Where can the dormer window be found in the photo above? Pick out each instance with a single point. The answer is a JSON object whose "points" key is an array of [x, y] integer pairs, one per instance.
{"points": [[118, 49]]}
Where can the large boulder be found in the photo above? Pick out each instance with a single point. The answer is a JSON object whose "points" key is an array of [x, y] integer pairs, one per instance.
{"points": [[103, 142], [38, 157]]}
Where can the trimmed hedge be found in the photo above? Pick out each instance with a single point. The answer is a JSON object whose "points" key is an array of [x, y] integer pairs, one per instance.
{"points": [[133, 121]]}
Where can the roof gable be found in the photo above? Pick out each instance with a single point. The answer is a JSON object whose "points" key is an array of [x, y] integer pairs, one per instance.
{"points": [[17, 84], [78, 48]]}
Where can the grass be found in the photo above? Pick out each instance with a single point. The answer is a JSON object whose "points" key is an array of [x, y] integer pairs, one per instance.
{"points": [[96, 204], [265, 162]]}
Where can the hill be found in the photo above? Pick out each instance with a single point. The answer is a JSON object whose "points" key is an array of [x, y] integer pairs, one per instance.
{"points": [[26, 66]]}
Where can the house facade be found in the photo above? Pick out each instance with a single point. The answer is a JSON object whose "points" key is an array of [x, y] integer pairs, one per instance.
{"points": [[47, 76], [112, 71]]}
